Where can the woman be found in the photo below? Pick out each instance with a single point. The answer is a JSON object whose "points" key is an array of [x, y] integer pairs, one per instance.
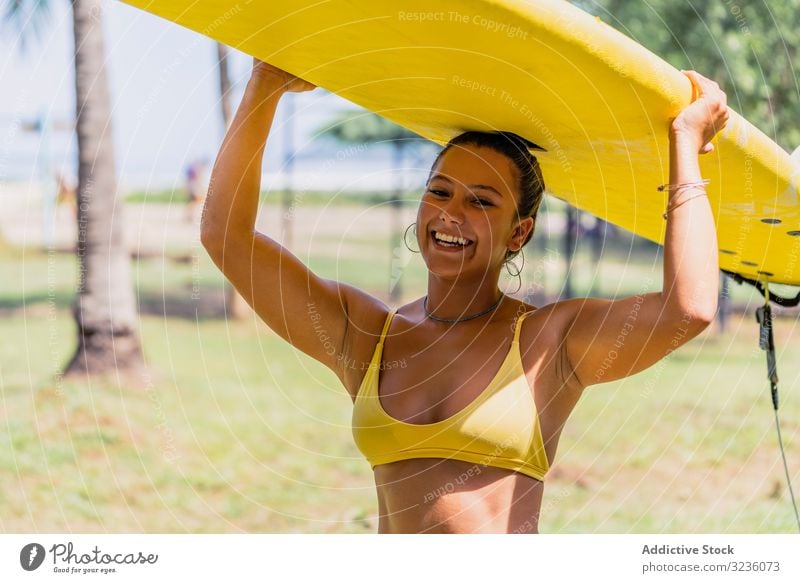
{"points": [[472, 402]]}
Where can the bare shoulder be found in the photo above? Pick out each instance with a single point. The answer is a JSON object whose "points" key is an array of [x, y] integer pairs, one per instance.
{"points": [[558, 317], [366, 315], [550, 321], [543, 334]]}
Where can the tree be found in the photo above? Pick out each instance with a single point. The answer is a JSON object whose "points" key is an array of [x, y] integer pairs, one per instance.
{"points": [[749, 48], [104, 307], [570, 242], [359, 127], [235, 305]]}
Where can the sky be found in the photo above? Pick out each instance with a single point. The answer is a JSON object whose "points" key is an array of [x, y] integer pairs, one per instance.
{"points": [[164, 90]]}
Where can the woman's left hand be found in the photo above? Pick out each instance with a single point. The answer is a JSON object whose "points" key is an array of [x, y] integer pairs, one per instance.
{"points": [[705, 116]]}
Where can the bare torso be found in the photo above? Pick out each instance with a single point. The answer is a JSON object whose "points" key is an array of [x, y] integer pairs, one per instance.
{"points": [[430, 373]]}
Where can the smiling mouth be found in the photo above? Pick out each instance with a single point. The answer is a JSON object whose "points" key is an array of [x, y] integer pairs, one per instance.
{"points": [[452, 242]]}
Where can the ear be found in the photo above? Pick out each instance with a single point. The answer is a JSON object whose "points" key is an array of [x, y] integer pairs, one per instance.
{"points": [[520, 233]]}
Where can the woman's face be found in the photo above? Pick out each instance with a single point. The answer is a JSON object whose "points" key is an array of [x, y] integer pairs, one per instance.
{"points": [[471, 195]]}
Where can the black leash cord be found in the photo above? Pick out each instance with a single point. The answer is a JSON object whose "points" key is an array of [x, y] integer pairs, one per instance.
{"points": [[766, 342]]}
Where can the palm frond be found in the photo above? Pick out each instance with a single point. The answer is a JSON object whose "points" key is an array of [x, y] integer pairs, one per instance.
{"points": [[26, 19]]}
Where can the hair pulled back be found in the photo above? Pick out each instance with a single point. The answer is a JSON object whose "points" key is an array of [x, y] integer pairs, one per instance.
{"points": [[517, 149]]}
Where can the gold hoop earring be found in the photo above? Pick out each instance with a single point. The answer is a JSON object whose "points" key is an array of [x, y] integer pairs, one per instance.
{"points": [[518, 273], [405, 237]]}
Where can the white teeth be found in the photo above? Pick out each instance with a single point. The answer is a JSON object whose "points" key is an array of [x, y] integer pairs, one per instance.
{"points": [[449, 238]]}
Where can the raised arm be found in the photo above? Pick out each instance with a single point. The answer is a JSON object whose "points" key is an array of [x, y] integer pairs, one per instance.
{"points": [[306, 310], [608, 340]]}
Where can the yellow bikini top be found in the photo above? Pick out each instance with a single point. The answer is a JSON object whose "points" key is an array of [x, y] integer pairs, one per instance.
{"points": [[499, 428]]}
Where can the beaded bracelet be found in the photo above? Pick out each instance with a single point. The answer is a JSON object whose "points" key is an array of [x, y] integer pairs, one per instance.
{"points": [[672, 208], [676, 187]]}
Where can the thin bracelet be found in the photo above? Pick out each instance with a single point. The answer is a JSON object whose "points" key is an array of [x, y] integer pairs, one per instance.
{"points": [[675, 187], [672, 208]]}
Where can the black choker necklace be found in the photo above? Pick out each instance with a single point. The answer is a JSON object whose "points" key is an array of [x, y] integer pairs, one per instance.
{"points": [[448, 321]]}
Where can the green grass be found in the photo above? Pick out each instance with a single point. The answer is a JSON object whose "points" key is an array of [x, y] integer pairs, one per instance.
{"points": [[160, 196], [307, 198], [235, 431], [689, 446]]}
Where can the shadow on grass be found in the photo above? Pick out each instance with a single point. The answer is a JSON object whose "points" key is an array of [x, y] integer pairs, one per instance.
{"points": [[205, 303], [14, 305]]}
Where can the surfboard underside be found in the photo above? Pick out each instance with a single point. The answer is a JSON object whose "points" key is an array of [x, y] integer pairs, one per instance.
{"points": [[595, 100]]}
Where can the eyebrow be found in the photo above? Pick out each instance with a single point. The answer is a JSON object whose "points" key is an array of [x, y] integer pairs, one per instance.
{"points": [[472, 186]]}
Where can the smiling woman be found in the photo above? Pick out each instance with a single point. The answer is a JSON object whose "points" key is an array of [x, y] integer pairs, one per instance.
{"points": [[462, 435], [489, 173]]}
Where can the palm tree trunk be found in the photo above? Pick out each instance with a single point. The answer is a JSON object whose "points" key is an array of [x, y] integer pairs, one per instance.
{"points": [[104, 308], [570, 235], [235, 305], [287, 216], [224, 84]]}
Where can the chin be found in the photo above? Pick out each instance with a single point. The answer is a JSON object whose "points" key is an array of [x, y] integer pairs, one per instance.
{"points": [[455, 270]]}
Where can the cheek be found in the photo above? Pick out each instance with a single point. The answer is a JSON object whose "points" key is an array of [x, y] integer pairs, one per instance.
{"points": [[490, 229], [426, 210], [423, 221]]}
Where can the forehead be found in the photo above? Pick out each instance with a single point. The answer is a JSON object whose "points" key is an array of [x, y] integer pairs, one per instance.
{"points": [[472, 164]]}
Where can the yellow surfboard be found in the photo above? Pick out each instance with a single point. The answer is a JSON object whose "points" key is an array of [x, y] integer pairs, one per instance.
{"points": [[597, 102]]}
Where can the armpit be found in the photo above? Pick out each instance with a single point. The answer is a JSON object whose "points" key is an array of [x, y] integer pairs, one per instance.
{"points": [[565, 374]]}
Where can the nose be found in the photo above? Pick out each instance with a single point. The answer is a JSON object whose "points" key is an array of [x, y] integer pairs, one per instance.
{"points": [[452, 212]]}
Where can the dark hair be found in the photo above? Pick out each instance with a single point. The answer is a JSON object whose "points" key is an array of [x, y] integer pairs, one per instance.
{"points": [[517, 149]]}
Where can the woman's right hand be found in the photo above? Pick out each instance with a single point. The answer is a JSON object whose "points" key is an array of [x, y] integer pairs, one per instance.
{"points": [[287, 81]]}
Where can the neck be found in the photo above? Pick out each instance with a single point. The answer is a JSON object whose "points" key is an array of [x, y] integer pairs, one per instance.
{"points": [[464, 299]]}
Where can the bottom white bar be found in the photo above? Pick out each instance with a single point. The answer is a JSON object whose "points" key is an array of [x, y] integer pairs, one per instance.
{"points": [[400, 558]]}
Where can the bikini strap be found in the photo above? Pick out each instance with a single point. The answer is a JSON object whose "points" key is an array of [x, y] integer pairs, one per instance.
{"points": [[386, 325], [518, 327]]}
